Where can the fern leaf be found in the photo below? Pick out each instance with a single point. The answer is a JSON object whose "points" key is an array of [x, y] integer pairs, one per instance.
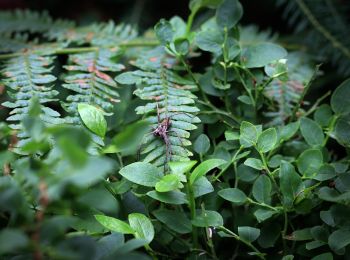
{"points": [[168, 94], [90, 82], [29, 76]]}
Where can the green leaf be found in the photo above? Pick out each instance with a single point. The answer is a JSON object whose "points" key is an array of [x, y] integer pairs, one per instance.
{"points": [[142, 225], [142, 173], [93, 119], [210, 40], [340, 100], [248, 234], [204, 168], [263, 214], [197, 4], [181, 167], [231, 136], [254, 163], [301, 235], [288, 131], [309, 162], [262, 189], [208, 218], [181, 46], [233, 195], [114, 224], [202, 144], [229, 13], [164, 31], [168, 183], [311, 131], [175, 220], [248, 134], [323, 115], [291, 183], [201, 187], [262, 54], [341, 131], [12, 240], [170, 197], [267, 140], [324, 256]]}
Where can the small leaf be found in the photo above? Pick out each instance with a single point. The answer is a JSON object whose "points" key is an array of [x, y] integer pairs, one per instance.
{"points": [[208, 218], [301, 235], [288, 131], [181, 46], [262, 189], [204, 168], [340, 100], [114, 224], [248, 234], [201, 187], [309, 162], [142, 173], [263, 214], [231, 136], [267, 140], [210, 40], [311, 131], [229, 13], [175, 220], [261, 54], [233, 195], [324, 256], [181, 167], [248, 134], [93, 119], [12, 240], [170, 197], [164, 31], [202, 144], [142, 225], [168, 183], [254, 163]]}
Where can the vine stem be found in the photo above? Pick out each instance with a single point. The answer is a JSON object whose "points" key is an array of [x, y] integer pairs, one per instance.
{"points": [[129, 44], [238, 238]]}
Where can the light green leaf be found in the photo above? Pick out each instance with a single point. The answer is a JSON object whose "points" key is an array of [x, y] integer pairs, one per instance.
{"points": [[309, 162], [248, 134], [142, 173], [262, 189], [233, 195], [181, 46], [210, 40], [202, 144], [204, 168], [207, 218], [231, 136], [181, 167], [114, 224], [254, 163], [340, 100], [168, 183], [170, 197], [229, 13], [93, 119], [142, 225], [288, 131], [164, 31], [248, 234], [311, 131], [267, 140], [261, 54]]}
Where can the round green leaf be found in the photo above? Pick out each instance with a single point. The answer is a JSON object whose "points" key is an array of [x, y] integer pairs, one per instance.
{"points": [[114, 224], [261, 54], [93, 119], [267, 140], [311, 131], [175, 220], [229, 13], [202, 144], [207, 218], [254, 163], [340, 100], [248, 234], [286, 132], [142, 173], [210, 40], [170, 197], [309, 162], [164, 31], [339, 238], [168, 182], [234, 195], [248, 134], [142, 225]]}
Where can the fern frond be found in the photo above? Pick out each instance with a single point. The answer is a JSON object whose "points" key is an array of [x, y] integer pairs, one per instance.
{"points": [[29, 76], [324, 27], [286, 93], [168, 94], [101, 34], [90, 82]]}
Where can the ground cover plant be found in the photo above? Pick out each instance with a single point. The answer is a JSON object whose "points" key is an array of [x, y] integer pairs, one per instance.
{"points": [[183, 142]]}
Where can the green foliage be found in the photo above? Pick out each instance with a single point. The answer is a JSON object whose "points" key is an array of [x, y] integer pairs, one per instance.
{"points": [[234, 161]]}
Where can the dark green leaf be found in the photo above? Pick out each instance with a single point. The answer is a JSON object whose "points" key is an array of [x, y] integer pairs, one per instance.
{"points": [[207, 218], [229, 13], [267, 140], [234, 195], [175, 220], [248, 234], [311, 131], [262, 189], [340, 100], [261, 54]]}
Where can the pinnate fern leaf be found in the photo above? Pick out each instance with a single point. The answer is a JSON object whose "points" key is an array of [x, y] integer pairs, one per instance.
{"points": [[166, 93]]}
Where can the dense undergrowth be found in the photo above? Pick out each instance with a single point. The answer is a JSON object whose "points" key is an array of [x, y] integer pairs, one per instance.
{"points": [[116, 147]]}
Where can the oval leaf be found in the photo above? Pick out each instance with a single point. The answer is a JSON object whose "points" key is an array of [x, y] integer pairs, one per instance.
{"points": [[340, 100], [93, 119], [311, 131], [267, 140], [142, 173], [114, 224], [142, 225], [234, 195], [205, 167], [262, 54]]}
